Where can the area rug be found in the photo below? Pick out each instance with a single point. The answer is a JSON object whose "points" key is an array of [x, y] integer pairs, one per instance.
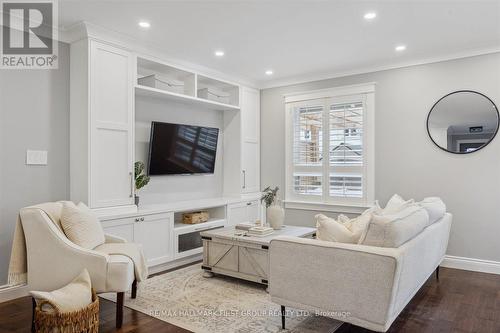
{"points": [[219, 304]]}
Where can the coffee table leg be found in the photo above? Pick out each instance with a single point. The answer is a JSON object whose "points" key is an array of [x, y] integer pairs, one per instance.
{"points": [[207, 274]]}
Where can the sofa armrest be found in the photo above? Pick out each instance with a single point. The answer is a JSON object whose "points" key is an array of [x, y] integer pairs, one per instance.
{"points": [[349, 281], [114, 239]]}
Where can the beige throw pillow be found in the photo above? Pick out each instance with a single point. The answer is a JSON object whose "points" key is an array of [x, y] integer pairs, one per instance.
{"points": [[393, 230], [72, 297], [331, 230], [81, 226], [396, 204]]}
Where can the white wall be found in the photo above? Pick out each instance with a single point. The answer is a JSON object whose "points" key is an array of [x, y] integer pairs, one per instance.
{"points": [[407, 162], [34, 114], [177, 187]]}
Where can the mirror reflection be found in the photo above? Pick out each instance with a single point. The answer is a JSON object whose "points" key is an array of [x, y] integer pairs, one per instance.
{"points": [[463, 122]]}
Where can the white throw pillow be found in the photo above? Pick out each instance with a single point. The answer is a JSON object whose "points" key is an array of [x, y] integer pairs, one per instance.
{"points": [[81, 226], [393, 230], [435, 207], [396, 204], [331, 230], [72, 297]]}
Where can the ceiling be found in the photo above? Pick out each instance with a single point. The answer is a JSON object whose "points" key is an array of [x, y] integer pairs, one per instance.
{"points": [[299, 39]]}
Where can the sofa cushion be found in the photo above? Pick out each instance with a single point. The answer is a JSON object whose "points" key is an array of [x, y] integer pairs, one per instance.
{"points": [[393, 230], [72, 297], [435, 207], [81, 226], [332, 230]]}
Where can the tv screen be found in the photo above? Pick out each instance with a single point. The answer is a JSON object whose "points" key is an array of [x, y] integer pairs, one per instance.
{"points": [[182, 149]]}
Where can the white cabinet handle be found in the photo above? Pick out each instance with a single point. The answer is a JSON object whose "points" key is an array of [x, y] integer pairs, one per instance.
{"points": [[131, 184], [244, 178]]}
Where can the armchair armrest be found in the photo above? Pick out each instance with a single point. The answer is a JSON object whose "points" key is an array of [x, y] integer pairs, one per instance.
{"points": [[114, 239], [356, 281], [53, 260]]}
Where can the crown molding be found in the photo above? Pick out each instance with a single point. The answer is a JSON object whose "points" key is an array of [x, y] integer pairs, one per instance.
{"points": [[338, 74]]}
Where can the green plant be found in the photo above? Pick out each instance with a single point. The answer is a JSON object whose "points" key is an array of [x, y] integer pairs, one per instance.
{"points": [[141, 179], [269, 195]]}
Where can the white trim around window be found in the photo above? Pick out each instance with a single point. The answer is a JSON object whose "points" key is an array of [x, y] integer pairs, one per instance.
{"points": [[323, 180]]}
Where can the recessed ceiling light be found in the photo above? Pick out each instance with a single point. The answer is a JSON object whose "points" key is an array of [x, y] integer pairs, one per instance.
{"points": [[400, 48], [145, 24], [269, 72], [219, 53], [370, 15]]}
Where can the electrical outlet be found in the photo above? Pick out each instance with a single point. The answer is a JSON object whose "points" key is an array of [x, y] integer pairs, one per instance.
{"points": [[36, 157]]}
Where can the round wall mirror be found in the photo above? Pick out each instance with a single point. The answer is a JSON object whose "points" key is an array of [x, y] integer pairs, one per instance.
{"points": [[463, 122]]}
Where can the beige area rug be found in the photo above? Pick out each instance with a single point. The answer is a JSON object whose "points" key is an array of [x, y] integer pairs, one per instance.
{"points": [[219, 304]]}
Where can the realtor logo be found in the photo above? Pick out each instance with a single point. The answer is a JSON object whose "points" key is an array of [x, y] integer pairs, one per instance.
{"points": [[29, 34]]}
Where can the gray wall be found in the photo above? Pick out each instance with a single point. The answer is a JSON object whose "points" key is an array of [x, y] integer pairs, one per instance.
{"points": [[34, 114], [407, 162]]}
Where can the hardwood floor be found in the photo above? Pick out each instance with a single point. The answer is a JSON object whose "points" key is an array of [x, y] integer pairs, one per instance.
{"points": [[461, 301]]}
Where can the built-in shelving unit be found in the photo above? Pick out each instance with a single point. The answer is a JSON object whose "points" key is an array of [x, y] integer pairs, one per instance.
{"points": [[149, 92], [162, 81]]}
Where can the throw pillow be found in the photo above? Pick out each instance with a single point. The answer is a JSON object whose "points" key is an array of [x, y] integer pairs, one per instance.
{"points": [[435, 207], [81, 226], [331, 230], [396, 203], [72, 297], [393, 230]]}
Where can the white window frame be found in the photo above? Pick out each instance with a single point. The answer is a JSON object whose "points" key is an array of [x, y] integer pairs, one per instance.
{"points": [[325, 202]]}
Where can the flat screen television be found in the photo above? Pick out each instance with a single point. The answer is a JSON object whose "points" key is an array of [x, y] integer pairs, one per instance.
{"points": [[177, 149]]}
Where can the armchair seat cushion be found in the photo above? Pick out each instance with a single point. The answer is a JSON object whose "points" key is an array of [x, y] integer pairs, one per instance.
{"points": [[120, 273]]}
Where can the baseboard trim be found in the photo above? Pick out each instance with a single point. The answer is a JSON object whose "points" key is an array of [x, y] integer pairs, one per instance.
{"points": [[8, 293], [471, 264]]}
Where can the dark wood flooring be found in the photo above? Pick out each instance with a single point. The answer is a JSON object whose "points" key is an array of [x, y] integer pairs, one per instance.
{"points": [[461, 301]]}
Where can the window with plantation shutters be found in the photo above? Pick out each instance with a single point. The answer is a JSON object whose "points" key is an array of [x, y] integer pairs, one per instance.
{"points": [[329, 146]]}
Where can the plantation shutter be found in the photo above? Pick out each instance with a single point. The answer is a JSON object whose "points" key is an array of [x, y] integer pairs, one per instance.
{"points": [[308, 149]]}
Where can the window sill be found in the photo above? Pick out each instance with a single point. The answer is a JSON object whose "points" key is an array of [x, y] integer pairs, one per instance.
{"points": [[325, 207]]}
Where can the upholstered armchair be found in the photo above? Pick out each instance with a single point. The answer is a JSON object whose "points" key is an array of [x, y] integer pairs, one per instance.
{"points": [[53, 260]]}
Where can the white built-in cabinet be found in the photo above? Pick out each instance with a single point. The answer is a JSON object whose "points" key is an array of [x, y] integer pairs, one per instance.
{"points": [[250, 141], [153, 231], [105, 80], [243, 212], [102, 125]]}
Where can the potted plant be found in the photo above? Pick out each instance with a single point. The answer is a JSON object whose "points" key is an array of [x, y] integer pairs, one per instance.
{"points": [[275, 214], [141, 179]]}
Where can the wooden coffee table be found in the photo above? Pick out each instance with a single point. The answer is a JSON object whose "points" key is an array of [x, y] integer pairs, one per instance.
{"points": [[244, 257]]}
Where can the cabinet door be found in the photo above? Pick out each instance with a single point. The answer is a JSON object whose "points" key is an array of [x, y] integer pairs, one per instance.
{"points": [[253, 211], [112, 120], [124, 230], [154, 233], [237, 213], [250, 158]]}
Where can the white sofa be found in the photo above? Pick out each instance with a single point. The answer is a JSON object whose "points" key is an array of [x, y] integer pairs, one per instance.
{"points": [[53, 260], [363, 285]]}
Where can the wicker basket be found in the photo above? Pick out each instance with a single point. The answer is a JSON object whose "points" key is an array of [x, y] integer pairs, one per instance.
{"points": [[85, 320], [195, 217]]}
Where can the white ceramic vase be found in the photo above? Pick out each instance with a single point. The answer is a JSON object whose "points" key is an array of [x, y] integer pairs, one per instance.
{"points": [[275, 215]]}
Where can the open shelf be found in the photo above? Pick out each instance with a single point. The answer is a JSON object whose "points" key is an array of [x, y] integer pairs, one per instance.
{"points": [[149, 92], [166, 78], [179, 226], [217, 91]]}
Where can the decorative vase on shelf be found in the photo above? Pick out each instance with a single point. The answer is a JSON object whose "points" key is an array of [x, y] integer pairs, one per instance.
{"points": [[275, 215]]}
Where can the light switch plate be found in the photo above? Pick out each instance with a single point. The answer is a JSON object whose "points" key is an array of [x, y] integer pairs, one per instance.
{"points": [[36, 157]]}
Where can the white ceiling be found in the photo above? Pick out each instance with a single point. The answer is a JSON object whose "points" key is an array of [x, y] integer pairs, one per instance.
{"points": [[300, 39]]}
